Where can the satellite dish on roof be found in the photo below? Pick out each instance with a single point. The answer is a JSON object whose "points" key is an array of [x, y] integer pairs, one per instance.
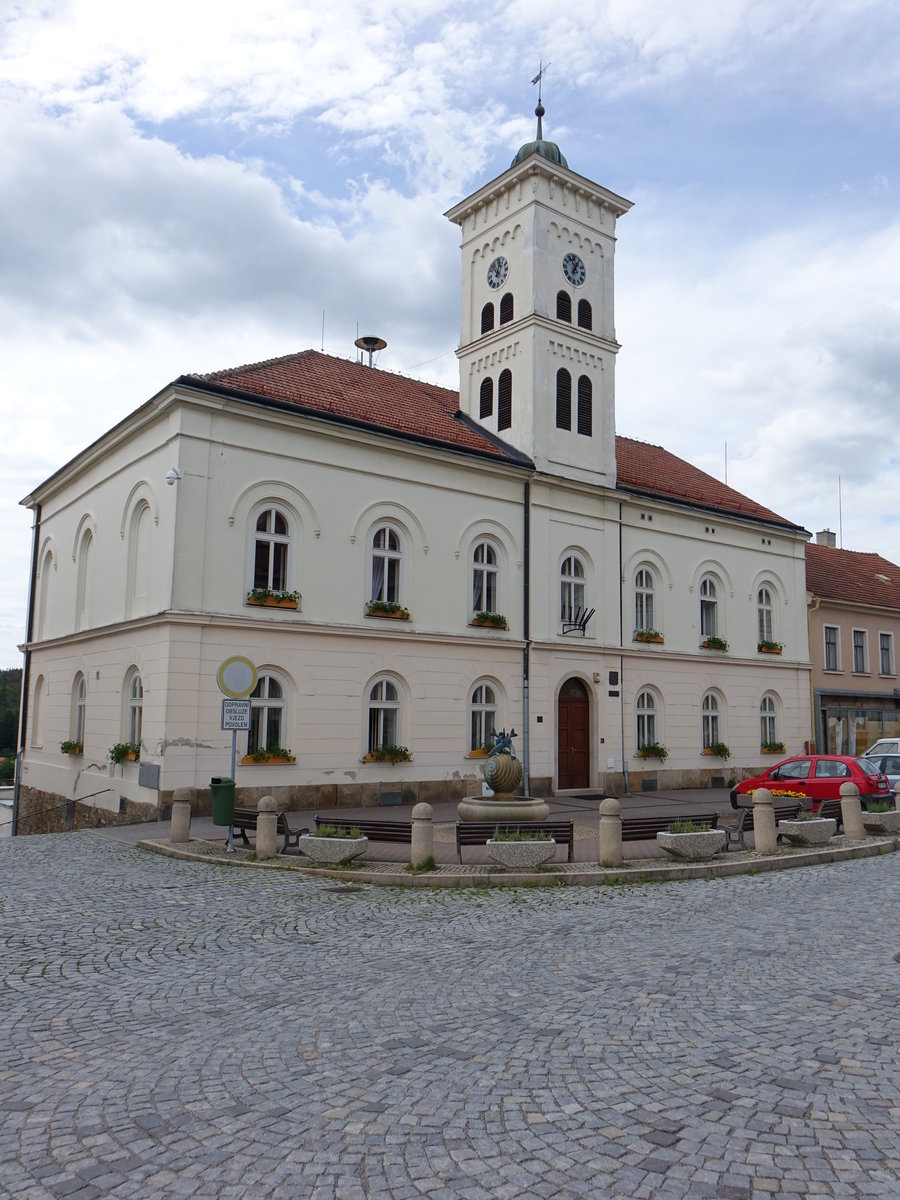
{"points": [[371, 344]]}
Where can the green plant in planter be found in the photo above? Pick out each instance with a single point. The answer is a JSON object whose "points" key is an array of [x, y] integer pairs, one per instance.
{"points": [[774, 747], [686, 827], [260, 755], [122, 750], [879, 806], [520, 835], [804, 815], [386, 608], [260, 595], [719, 750], [714, 642], [338, 831], [771, 647], [654, 750], [490, 618], [71, 747], [647, 635], [390, 753]]}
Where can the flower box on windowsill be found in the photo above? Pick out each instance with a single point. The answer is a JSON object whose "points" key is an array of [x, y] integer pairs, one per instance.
{"points": [[714, 643], [773, 748], [270, 760], [477, 754], [769, 648], [389, 754], [387, 611], [75, 749], [648, 636], [654, 751], [489, 620]]}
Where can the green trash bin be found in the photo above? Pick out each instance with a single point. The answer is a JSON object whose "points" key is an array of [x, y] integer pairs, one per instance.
{"points": [[222, 792]]}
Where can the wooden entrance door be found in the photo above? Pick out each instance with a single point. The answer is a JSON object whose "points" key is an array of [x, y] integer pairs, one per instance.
{"points": [[573, 724]]}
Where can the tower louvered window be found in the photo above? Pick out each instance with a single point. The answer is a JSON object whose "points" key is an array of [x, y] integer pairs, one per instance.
{"points": [[585, 406], [563, 307], [487, 318], [585, 315], [486, 404], [563, 399], [506, 308], [504, 400]]}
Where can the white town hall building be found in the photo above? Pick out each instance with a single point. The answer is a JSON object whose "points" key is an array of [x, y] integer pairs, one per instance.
{"points": [[645, 604]]}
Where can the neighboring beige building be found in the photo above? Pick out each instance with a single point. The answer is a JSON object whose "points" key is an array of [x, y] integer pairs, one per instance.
{"points": [[854, 625], [613, 562]]}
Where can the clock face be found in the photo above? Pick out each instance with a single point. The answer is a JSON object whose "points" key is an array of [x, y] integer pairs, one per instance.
{"points": [[497, 273], [573, 269]]}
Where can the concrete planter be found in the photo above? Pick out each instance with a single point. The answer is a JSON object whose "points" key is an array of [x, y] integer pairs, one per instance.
{"points": [[521, 856], [706, 843], [883, 822], [332, 850], [809, 833]]}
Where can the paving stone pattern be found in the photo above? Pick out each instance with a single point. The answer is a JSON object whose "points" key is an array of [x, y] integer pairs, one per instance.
{"points": [[183, 1029]]}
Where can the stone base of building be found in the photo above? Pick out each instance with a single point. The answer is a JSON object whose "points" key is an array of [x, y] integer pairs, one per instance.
{"points": [[48, 812]]}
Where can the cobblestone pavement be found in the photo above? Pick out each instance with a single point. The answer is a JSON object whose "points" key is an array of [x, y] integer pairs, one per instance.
{"points": [[182, 1029]]}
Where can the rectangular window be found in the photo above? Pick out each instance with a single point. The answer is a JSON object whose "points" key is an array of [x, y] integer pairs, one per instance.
{"points": [[832, 645], [886, 653], [860, 651]]}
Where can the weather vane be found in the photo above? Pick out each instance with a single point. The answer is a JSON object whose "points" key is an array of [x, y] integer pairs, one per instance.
{"points": [[537, 79]]}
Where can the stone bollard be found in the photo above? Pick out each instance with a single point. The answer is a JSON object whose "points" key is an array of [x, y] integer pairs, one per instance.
{"points": [[609, 851], [765, 835], [266, 827], [180, 829], [421, 847], [851, 812]]}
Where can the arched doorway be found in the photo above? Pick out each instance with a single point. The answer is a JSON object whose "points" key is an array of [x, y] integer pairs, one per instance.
{"points": [[573, 737]]}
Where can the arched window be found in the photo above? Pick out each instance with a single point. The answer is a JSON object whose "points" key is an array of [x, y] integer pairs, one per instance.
{"points": [[486, 399], [571, 589], [484, 579], [768, 721], [270, 550], [504, 399], [563, 399], [765, 612], [710, 715], [585, 316], [79, 709], [482, 716], [36, 705], [83, 583], [267, 723], [137, 590], [585, 406], [645, 713], [506, 308], [386, 558], [487, 318], [644, 598], [43, 628], [709, 608], [563, 307], [134, 716], [384, 715]]}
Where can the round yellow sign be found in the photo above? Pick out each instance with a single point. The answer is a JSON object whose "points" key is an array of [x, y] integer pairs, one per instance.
{"points": [[236, 677]]}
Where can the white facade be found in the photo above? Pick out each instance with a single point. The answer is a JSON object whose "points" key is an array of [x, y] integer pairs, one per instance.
{"points": [[141, 589]]}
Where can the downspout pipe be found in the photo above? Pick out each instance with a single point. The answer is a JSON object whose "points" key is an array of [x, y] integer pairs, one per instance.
{"points": [[526, 651], [26, 665], [622, 659]]}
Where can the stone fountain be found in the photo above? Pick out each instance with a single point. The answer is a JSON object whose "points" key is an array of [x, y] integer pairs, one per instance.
{"points": [[503, 774]]}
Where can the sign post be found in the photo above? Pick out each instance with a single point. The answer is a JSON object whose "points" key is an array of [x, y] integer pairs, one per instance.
{"points": [[236, 678]]}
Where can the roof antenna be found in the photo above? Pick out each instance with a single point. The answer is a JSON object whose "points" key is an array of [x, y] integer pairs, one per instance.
{"points": [[323, 330], [371, 344]]}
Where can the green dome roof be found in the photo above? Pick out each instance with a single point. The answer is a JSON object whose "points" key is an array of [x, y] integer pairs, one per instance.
{"points": [[548, 150]]}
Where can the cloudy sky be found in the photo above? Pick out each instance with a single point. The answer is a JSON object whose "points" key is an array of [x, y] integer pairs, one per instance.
{"points": [[191, 185]]}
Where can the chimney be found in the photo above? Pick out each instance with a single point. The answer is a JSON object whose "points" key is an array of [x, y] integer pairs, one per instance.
{"points": [[826, 538]]}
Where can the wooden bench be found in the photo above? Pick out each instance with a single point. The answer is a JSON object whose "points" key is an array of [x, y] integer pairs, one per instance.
{"points": [[246, 818], [645, 829], [376, 831], [478, 833], [735, 835], [831, 808]]}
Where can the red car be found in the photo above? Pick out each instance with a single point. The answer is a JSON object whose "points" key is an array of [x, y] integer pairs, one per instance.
{"points": [[819, 776]]}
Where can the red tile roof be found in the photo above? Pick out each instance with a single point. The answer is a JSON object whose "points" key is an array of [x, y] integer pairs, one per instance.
{"points": [[393, 404], [318, 383], [853, 576], [653, 471]]}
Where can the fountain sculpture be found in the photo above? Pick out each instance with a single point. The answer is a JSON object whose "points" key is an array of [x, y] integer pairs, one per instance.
{"points": [[503, 774]]}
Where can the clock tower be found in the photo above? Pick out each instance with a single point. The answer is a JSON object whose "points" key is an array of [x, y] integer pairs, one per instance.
{"points": [[538, 345]]}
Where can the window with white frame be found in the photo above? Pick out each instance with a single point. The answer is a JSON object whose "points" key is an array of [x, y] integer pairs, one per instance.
{"points": [[271, 543], [84, 578], [384, 715], [832, 648], [860, 651], [710, 720], [765, 614], [768, 721], [134, 716], [267, 715], [571, 589], [484, 578], [482, 716], [46, 571], [645, 720], [709, 608], [79, 709], [387, 555], [644, 597], [886, 653]]}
